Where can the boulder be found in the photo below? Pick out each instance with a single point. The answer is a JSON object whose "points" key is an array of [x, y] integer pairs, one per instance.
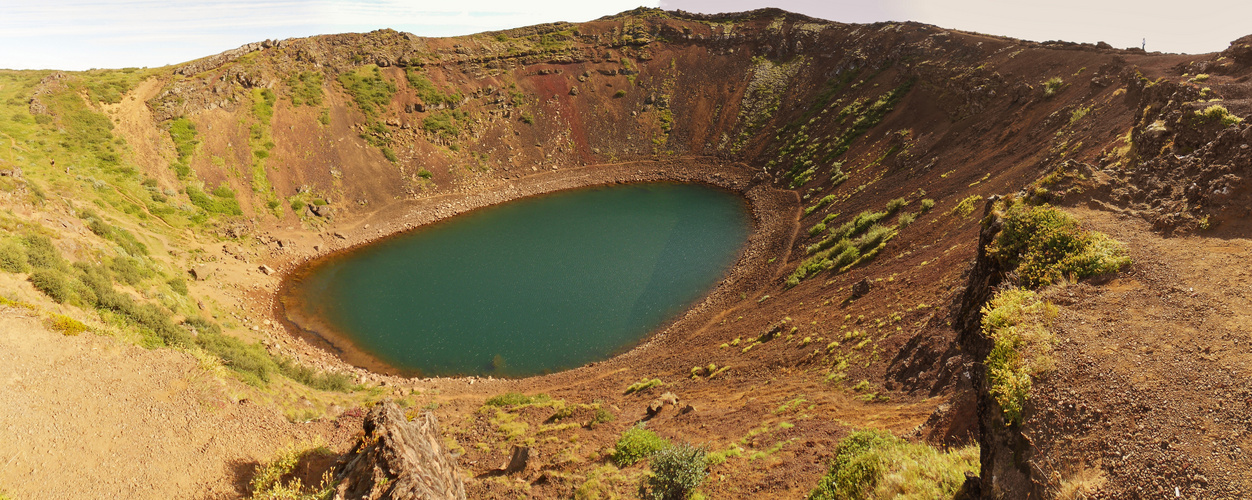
{"points": [[398, 459], [861, 288]]}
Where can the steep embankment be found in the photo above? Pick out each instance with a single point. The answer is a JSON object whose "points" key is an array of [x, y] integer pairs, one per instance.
{"points": [[161, 207]]}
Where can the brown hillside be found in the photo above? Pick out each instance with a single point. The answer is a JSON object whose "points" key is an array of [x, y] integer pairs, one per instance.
{"points": [[814, 122]]}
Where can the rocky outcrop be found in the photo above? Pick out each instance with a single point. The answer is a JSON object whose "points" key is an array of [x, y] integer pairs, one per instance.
{"points": [[399, 459], [218, 60]]}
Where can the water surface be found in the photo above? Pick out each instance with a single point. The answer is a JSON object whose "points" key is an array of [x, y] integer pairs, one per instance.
{"points": [[531, 286]]}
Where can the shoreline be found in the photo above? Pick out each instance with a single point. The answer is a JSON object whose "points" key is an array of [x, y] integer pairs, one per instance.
{"points": [[770, 234]]}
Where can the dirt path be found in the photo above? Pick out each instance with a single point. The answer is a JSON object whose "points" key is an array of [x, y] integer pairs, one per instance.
{"points": [[91, 417], [1154, 378]]}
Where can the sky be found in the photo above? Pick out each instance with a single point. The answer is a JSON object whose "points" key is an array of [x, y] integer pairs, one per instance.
{"points": [[83, 34]]}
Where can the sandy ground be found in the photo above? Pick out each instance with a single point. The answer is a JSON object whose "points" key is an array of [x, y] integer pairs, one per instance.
{"points": [[90, 417]]}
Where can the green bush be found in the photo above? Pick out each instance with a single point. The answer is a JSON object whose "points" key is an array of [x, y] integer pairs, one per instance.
{"points": [[122, 237], [1017, 322], [178, 285], [644, 384], [274, 480], [41, 253], [927, 204], [129, 270], [250, 361], [966, 206], [826, 200], [1044, 245], [636, 444], [1217, 113], [1052, 86], [53, 283], [619, 94], [13, 257], [877, 465], [676, 473], [895, 205]]}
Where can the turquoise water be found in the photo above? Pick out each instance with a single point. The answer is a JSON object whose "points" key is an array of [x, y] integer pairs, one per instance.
{"points": [[532, 286]]}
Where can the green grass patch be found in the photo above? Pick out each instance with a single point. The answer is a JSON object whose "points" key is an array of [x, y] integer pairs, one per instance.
{"points": [[1044, 245], [123, 238], [428, 92], [877, 465], [183, 133], [250, 361], [444, 123], [222, 202], [306, 88], [369, 89]]}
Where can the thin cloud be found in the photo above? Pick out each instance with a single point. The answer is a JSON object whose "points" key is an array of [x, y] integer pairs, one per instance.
{"points": [[81, 34]]}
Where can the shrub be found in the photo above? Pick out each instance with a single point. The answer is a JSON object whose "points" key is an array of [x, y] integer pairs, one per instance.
{"points": [[268, 484], [644, 384], [826, 200], [517, 398], [927, 204], [250, 361], [122, 237], [895, 205], [41, 253], [1052, 86], [1217, 113], [906, 219], [676, 472], [1044, 245], [619, 94], [601, 416], [966, 206], [52, 283], [423, 173], [636, 444], [1017, 321], [129, 270], [874, 464], [13, 257]]}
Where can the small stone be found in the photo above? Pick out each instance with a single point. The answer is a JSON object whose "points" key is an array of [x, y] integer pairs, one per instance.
{"points": [[266, 270]]}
